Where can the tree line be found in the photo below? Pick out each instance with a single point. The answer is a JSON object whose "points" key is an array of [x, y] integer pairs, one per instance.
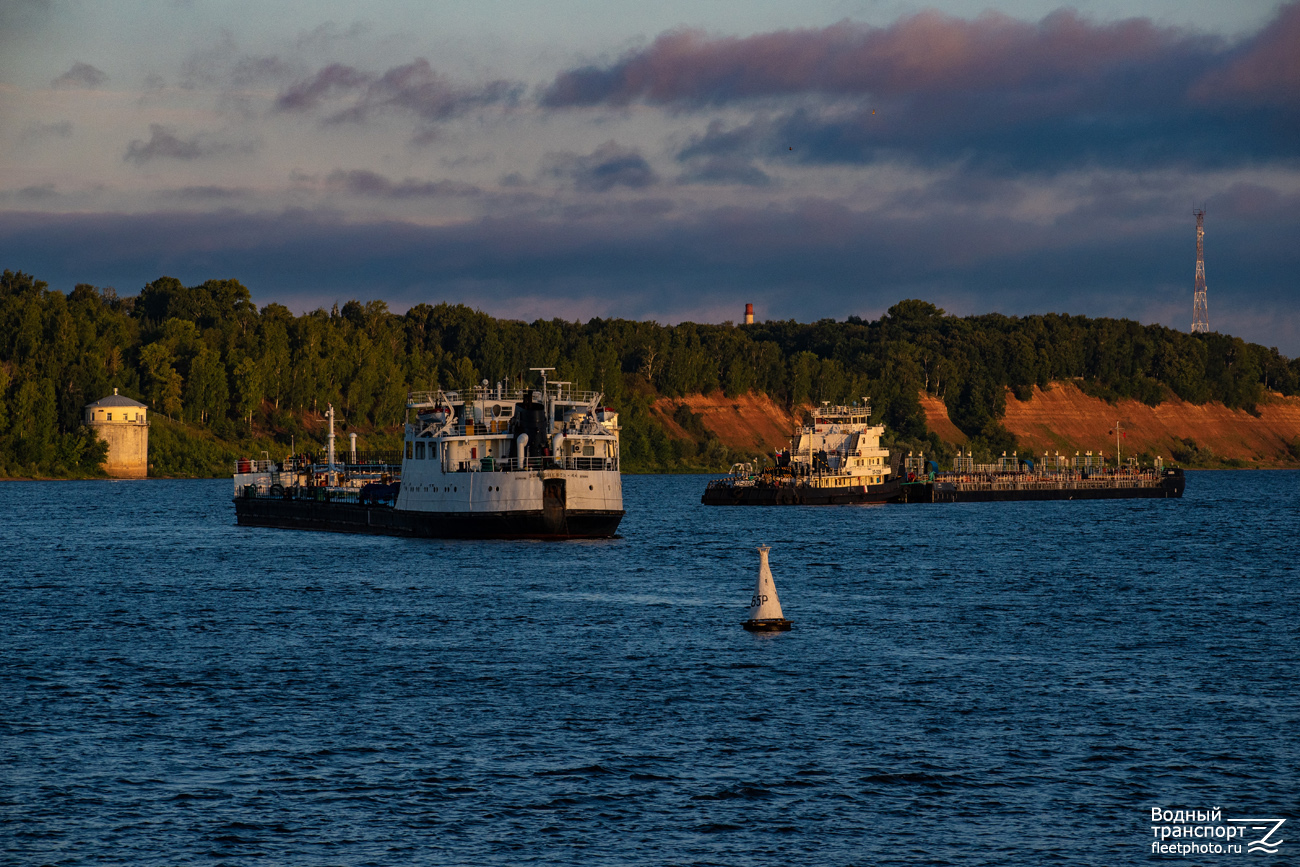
{"points": [[222, 376]]}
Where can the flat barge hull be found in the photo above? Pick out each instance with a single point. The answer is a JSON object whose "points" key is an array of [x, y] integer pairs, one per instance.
{"points": [[1169, 486], [799, 495], [387, 521]]}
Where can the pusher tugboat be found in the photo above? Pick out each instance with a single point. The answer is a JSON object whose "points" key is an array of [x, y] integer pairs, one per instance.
{"points": [[836, 459]]}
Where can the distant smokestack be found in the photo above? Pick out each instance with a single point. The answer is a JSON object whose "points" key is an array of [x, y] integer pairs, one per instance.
{"points": [[749, 314]]}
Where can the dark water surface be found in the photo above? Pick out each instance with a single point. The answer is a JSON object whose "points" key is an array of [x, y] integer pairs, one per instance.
{"points": [[965, 684]]}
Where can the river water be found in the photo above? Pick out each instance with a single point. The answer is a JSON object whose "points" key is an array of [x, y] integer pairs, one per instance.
{"points": [[965, 684]]}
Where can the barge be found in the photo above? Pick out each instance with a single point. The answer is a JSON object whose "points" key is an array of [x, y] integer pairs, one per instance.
{"points": [[1011, 479], [487, 464]]}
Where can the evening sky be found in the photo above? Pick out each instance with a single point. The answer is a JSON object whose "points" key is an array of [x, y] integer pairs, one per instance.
{"points": [[669, 161]]}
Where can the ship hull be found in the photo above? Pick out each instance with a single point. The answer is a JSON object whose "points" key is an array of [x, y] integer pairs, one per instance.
{"points": [[1169, 487], [725, 494], [388, 521]]}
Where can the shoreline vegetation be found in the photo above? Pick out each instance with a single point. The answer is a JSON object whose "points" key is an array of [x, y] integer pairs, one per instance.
{"points": [[225, 379]]}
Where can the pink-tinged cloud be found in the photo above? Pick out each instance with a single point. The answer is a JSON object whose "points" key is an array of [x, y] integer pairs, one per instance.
{"points": [[926, 53], [1264, 70], [995, 93]]}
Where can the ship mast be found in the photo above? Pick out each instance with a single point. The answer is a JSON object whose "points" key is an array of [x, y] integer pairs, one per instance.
{"points": [[546, 396], [330, 451]]}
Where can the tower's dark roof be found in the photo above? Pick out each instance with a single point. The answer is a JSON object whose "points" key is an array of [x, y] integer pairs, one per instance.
{"points": [[117, 400]]}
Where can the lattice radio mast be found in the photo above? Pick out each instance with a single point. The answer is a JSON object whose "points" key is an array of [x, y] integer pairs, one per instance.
{"points": [[1200, 310]]}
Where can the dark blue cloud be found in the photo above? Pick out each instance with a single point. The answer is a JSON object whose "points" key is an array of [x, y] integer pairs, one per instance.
{"points": [[608, 166], [812, 260], [939, 134], [726, 170], [724, 157]]}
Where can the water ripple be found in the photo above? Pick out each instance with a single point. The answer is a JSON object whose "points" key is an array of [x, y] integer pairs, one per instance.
{"points": [[974, 684]]}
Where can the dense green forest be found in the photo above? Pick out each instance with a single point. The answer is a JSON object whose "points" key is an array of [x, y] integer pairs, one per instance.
{"points": [[222, 377]]}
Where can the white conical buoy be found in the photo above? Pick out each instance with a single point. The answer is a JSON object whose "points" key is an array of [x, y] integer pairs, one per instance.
{"points": [[765, 608]]}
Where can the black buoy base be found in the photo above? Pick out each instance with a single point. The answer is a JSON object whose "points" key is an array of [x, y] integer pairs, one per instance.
{"points": [[776, 624]]}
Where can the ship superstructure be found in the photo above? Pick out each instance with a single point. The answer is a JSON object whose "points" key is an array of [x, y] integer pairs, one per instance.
{"points": [[489, 462], [835, 458]]}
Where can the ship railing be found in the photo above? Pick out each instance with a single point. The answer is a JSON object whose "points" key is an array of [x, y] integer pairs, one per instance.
{"points": [[475, 428], [1053, 482], [512, 465], [245, 465], [556, 391], [1048, 466], [470, 427], [1049, 473], [377, 460], [376, 457], [319, 492]]}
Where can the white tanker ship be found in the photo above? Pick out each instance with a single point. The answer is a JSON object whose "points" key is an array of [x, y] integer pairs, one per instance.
{"points": [[497, 464]]}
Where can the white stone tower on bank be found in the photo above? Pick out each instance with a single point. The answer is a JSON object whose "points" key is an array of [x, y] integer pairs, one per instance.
{"points": [[123, 424]]}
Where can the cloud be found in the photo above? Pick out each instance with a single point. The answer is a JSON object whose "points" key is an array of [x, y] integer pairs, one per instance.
{"points": [[165, 144], [1265, 70], [725, 171], [326, 36], [58, 129], [361, 182], [925, 53], [808, 260], [38, 192], [251, 70], [723, 156], [208, 192], [237, 79], [162, 144], [413, 88], [608, 166], [1007, 94], [82, 76], [330, 80]]}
